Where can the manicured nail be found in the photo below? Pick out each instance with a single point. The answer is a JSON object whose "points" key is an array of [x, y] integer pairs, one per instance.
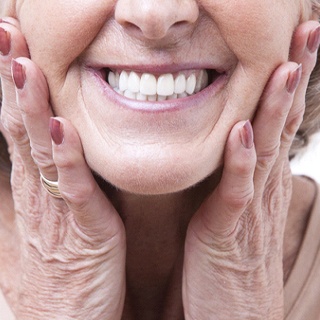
{"points": [[56, 131], [246, 135], [294, 79], [5, 42], [314, 40], [18, 74]]}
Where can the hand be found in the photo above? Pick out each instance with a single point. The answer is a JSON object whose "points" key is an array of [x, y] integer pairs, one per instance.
{"points": [[233, 265], [62, 258]]}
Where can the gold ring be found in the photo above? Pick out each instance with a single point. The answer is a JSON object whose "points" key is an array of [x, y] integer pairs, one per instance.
{"points": [[50, 186]]}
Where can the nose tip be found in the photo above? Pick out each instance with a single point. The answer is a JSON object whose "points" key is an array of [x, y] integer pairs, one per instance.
{"points": [[153, 19]]}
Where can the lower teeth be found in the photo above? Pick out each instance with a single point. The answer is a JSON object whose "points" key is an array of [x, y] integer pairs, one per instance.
{"points": [[142, 97]]}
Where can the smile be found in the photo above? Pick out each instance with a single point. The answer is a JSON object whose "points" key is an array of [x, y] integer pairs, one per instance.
{"points": [[161, 87]]}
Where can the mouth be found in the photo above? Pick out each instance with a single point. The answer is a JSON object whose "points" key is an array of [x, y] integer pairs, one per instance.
{"points": [[159, 87]]}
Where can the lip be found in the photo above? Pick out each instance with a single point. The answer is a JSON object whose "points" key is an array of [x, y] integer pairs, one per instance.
{"points": [[155, 68], [158, 106]]}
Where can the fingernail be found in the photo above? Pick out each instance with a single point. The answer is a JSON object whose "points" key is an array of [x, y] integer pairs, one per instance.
{"points": [[246, 135], [314, 40], [18, 74], [5, 42], [56, 131], [294, 79]]}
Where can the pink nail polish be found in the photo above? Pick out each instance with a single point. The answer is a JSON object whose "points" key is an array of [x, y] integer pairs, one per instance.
{"points": [[5, 42], [294, 79], [56, 131], [314, 40], [246, 135], [18, 74]]}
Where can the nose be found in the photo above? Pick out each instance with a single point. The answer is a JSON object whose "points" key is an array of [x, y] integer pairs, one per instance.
{"points": [[154, 19]]}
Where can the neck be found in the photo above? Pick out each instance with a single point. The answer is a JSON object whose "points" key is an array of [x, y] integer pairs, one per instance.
{"points": [[156, 226]]}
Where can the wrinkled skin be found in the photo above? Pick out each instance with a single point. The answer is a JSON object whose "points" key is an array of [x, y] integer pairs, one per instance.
{"points": [[148, 154], [69, 255]]}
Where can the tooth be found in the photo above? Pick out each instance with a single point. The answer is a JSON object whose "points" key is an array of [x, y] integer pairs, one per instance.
{"points": [[112, 80], [205, 80], [182, 95], [148, 84], [141, 97], [118, 91], [161, 98], [123, 81], [165, 85], [191, 84], [129, 94], [202, 81], [180, 84], [149, 88], [173, 96], [152, 97], [134, 82]]}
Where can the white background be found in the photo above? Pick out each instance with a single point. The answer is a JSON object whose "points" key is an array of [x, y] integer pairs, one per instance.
{"points": [[308, 163]]}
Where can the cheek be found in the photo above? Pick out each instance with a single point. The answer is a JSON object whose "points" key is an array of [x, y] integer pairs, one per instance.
{"points": [[258, 32], [58, 31]]}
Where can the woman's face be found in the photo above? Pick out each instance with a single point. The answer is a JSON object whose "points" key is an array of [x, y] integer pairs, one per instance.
{"points": [[169, 145]]}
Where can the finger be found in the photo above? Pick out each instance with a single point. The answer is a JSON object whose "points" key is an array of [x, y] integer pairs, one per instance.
{"points": [[305, 43], [12, 45], [271, 117], [304, 47], [93, 212], [220, 213], [10, 20], [33, 99]]}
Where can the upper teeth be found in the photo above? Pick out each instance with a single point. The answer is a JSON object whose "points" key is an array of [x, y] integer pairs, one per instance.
{"points": [[167, 86]]}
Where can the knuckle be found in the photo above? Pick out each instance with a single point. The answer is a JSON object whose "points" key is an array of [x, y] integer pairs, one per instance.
{"points": [[63, 162], [79, 196], [238, 199], [15, 128], [42, 157], [267, 158], [280, 114], [244, 167], [289, 132], [292, 125]]}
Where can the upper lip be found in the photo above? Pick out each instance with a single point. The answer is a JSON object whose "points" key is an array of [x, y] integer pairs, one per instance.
{"points": [[161, 68]]}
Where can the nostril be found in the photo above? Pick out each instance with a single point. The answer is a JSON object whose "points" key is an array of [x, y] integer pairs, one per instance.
{"points": [[131, 26], [153, 19], [149, 28], [179, 23]]}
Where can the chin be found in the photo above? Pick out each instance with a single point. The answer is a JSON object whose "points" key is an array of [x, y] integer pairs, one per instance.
{"points": [[154, 177]]}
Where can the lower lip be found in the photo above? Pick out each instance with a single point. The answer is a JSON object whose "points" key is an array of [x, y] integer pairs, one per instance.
{"points": [[160, 106]]}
